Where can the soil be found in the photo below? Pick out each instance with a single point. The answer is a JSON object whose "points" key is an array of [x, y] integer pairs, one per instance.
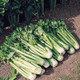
{"points": [[67, 69]]}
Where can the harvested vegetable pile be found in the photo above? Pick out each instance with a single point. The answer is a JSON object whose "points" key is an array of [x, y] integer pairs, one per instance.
{"points": [[35, 47]]}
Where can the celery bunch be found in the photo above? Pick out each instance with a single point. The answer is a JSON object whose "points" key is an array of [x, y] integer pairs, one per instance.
{"points": [[31, 49]]}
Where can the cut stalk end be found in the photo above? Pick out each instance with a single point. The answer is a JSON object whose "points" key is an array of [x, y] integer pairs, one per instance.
{"points": [[49, 55], [46, 65], [39, 70], [60, 58], [43, 71], [55, 64], [33, 77], [61, 51], [71, 50], [77, 46]]}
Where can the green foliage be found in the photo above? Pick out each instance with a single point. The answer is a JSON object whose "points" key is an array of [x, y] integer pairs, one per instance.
{"points": [[3, 6], [30, 8], [14, 74], [0, 30], [78, 78], [53, 4], [77, 64], [16, 11], [4, 78], [63, 1], [13, 12]]}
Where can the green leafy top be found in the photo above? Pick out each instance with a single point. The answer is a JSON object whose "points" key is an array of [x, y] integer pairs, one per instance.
{"points": [[3, 5]]}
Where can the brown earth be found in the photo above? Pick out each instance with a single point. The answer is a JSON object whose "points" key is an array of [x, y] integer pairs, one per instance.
{"points": [[67, 69]]}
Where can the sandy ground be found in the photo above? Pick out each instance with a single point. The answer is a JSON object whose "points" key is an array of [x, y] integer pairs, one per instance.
{"points": [[67, 69]]}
